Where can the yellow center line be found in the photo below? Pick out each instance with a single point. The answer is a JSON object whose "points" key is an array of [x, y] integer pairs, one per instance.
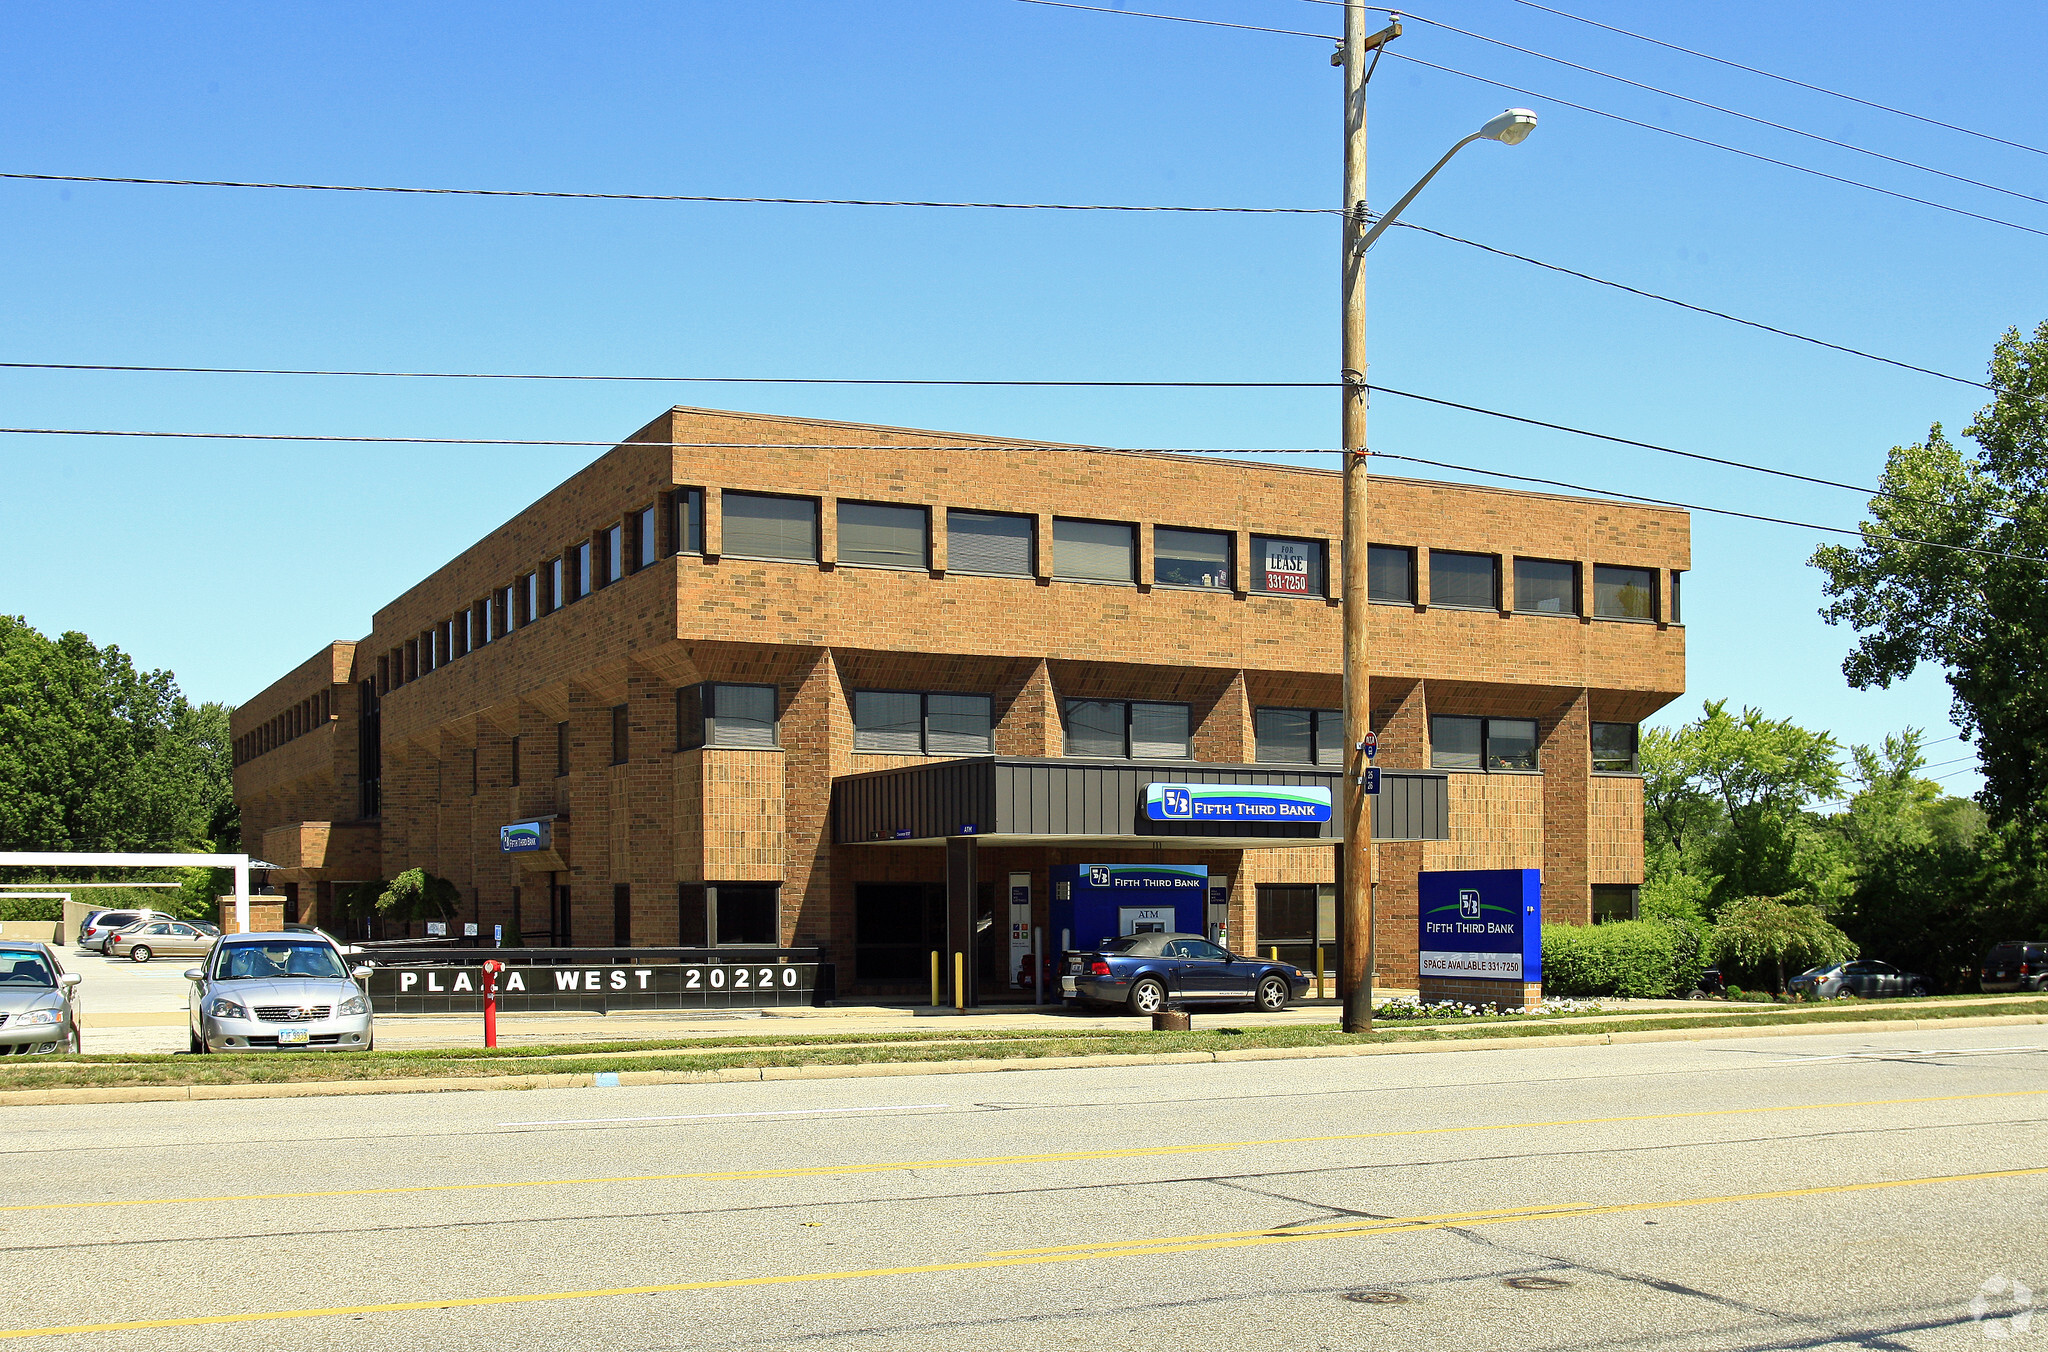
{"points": [[997, 1161], [1293, 1231], [1023, 1258]]}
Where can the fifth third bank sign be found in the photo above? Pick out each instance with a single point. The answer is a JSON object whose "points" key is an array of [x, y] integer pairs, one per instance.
{"points": [[1481, 923]]}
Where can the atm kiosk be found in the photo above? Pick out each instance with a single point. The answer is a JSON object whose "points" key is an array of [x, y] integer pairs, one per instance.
{"points": [[1092, 902]]}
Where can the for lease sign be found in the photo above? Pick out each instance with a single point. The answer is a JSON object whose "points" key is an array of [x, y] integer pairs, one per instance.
{"points": [[1286, 566], [1480, 923]]}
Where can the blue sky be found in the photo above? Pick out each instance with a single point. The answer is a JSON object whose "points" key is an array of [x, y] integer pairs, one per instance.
{"points": [[230, 563]]}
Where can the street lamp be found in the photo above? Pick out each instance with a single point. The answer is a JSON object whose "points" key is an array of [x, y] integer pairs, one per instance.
{"points": [[1511, 128], [1355, 872]]}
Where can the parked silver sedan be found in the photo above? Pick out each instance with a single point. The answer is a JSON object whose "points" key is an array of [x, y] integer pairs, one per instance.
{"points": [[278, 992], [38, 1002]]}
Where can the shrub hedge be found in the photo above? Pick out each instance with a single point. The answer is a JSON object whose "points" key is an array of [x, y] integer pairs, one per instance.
{"points": [[31, 908], [1645, 959]]}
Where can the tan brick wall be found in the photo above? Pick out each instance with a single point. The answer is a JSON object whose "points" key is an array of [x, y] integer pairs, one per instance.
{"points": [[818, 631], [1614, 845], [1475, 991]]}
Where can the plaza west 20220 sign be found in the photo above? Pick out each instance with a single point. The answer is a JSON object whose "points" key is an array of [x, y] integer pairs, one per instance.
{"points": [[1484, 924], [1237, 803]]}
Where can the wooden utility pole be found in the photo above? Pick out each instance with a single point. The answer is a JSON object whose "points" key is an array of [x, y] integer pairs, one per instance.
{"points": [[1355, 878]]}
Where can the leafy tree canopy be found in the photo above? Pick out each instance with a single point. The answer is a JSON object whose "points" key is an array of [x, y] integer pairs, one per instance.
{"points": [[1981, 616], [97, 755]]}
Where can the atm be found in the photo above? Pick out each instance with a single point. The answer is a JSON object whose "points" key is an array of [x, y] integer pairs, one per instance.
{"points": [[1093, 902]]}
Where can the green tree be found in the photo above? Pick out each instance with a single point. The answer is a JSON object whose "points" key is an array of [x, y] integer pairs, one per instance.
{"points": [[1978, 610], [1771, 931], [1725, 798], [96, 755], [418, 895]]}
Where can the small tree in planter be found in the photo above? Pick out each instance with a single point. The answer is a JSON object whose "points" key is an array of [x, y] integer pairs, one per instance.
{"points": [[417, 895], [1761, 931]]}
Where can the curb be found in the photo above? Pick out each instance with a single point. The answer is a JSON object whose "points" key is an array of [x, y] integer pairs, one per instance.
{"points": [[25, 1098]]}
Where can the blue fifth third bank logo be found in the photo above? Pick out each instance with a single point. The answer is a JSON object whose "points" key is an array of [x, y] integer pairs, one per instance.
{"points": [[1179, 803], [1098, 876], [1468, 903]]}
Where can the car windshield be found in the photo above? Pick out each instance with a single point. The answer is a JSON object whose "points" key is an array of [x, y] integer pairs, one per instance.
{"points": [[254, 962], [24, 969]]}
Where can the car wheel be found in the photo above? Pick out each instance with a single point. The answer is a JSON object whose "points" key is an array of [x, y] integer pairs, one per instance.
{"points": [[1918, 988], [1147, 996], [77, 1039], [1273, 995], [192, 1043], [140, 953]]}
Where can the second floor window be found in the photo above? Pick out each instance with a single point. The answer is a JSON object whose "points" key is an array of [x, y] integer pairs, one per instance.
{"points": [[614, 554], [687, 505], [1482, 743], [1094, 551], [1624, 593], [882, 535], [582, 583], [1546, 587], [1467, 581], [1390, 572], [758, 526], [1191, 558], [718, 715], [1299, 736], [1614, 747], [1128, 730], [1287, 567], [911, 723], [988, 542], [645, 544]]}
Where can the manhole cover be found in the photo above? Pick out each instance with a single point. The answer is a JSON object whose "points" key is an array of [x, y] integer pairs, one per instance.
{"points": [[1535, 1283], [1376, 1297]]}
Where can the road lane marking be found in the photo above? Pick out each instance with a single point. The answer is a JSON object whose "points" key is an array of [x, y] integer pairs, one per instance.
{"points": [[998, 1161], [703, 1117], [1905, 1051], [1032, 1258]]}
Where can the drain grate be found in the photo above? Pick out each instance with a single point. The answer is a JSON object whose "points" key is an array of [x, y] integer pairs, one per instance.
{"points": [[1376, 1298], [1536, 1283]]}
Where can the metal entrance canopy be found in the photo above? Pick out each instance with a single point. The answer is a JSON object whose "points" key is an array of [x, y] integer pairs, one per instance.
{"points": [[1004, 800]]}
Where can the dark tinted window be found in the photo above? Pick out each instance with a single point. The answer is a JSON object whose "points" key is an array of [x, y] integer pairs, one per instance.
{"points": [[983, 542], [1469, 580], [882, 535], [762, 527], [747, 914], [1391, 573], [1546, 587], [1614, 746]]}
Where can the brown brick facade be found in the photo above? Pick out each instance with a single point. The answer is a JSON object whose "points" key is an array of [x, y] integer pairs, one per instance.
{"points": [[653, 817]]}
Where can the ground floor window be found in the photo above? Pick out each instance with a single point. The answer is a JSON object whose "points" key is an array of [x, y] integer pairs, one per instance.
{"points": [[712, 915], [896, 928], [1615, 901]]}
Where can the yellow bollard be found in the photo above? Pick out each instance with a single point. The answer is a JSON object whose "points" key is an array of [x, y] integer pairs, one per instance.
{"points": [[959, 980], [935, 978], [1319, 971], [1274, 953]]}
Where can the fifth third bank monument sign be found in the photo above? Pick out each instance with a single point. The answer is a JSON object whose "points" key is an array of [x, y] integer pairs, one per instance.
{"points": [[1481, 926]]}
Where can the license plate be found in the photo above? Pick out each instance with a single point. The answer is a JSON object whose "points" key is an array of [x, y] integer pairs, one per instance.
{"points": [[1067, 984], [287, 1036]]}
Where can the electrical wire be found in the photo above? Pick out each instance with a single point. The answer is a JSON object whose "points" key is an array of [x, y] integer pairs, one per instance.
{"points": [[1718, 145], [1784, 79], [669, 197], [1718, 108], [1180, 18], [1861, 533], [683, 380], [1697, 309]]}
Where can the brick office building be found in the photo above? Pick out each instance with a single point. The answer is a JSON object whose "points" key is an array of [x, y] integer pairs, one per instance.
{"points": [[801, 683]]}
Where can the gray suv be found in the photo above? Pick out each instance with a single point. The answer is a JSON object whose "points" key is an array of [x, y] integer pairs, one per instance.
{"points": [[279, 992], [2015, 966]]}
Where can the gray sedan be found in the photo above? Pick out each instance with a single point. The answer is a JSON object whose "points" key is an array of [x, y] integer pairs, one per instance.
{"points": [[278, 992], [38, 1002]]}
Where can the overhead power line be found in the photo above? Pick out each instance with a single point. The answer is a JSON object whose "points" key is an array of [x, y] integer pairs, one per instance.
{"points": [[1783, 79], [683, 380], [1181, 18], [670, 197], [321, 438], [1718, 145], [1719, 108], [1697, 309], [1712, 511]]}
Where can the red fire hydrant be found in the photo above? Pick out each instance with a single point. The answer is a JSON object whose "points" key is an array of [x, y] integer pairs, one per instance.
{"points": [[492, 967]]}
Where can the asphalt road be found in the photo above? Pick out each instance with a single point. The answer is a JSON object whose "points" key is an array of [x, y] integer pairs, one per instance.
{"points": [[1829, 1191]]}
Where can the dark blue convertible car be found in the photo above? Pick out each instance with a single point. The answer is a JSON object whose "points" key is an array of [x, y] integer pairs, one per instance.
{"points": [[1145, 973]]}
